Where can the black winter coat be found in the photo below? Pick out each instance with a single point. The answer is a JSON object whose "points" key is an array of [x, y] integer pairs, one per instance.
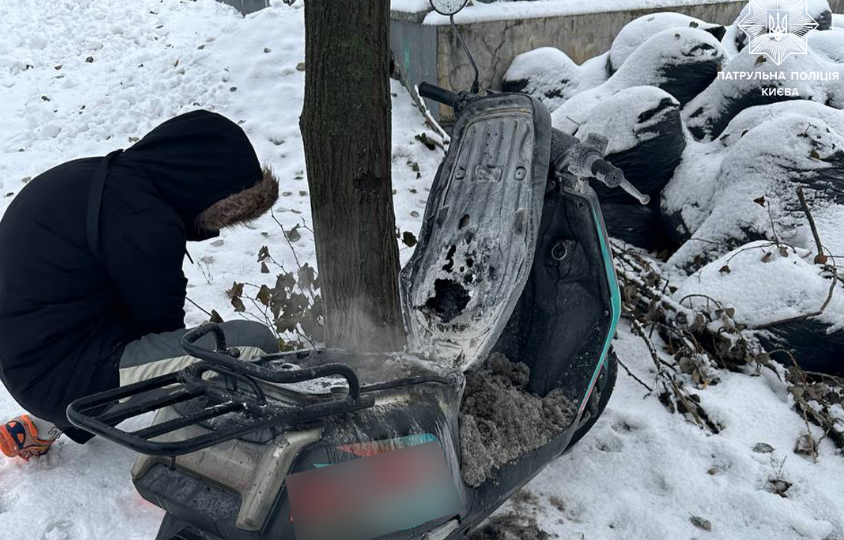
{"points": [[67, 310]]}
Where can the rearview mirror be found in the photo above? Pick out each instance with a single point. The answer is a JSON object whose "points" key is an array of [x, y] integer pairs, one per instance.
{"points": [[448, 7]]}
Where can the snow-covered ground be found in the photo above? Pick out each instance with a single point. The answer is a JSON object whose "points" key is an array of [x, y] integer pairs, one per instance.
{"points": [[641, 474]]}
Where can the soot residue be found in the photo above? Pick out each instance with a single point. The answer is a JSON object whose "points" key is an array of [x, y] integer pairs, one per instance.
{"points": [[500, 420]]}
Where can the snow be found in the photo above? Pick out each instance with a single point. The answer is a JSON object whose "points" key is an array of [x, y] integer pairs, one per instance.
{"points": [[710, 106], [641, 29], [546, 60], [620, 117], [766, 288], [642, 473], [639, 475], [815, 8], [766, 160], [753, 117], [828, 44], [691, 190], [669, 47], [410, 6], [730, 41], [553, 77]]}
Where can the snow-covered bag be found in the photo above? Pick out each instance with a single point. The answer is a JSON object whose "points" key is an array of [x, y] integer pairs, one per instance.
{"points": [[827, 45], [710, 112], [751, 194], [638, 31], [687, 199], [549, 75], [682, 62]]}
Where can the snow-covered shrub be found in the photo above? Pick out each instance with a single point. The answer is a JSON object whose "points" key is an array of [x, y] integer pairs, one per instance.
{"points": [[776, 289], [551, 76], [680, 61], [709, 113], [753, 190], [640, 30]]}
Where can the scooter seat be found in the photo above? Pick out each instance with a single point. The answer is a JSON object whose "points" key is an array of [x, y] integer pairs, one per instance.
{"points": [[479, 232]]}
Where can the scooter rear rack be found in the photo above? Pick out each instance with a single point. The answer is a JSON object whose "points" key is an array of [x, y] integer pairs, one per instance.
{"points": [[235, 389]]}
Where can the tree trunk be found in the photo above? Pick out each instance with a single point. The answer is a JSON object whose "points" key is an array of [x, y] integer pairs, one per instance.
{"points": [[346, 129]]}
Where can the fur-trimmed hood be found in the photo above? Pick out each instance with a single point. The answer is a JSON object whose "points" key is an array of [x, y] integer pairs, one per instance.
{"points": [[242, 207]]}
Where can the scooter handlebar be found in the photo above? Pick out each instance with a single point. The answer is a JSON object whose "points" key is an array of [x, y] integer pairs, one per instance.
{"points": [[607, 173], [613, 177], [440, 95]]}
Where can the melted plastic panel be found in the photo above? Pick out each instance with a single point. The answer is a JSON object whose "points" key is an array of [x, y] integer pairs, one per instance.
{"points": [[480, 229]]}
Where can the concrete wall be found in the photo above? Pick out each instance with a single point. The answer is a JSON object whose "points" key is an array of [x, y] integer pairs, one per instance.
{"points": [[494, 44], [247, 6]]}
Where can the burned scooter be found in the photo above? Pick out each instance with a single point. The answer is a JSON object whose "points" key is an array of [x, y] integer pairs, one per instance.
{"points": [[513, 259]]}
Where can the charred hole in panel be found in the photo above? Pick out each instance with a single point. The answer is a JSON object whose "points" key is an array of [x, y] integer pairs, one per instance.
{"points": [[449, 300], [469, 276]]}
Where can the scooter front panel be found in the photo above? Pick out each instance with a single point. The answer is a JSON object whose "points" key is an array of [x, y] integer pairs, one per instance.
{"points": [[565, 319]]}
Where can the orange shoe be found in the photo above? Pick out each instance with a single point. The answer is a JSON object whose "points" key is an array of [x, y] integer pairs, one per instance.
{"points": [[19, 438]]}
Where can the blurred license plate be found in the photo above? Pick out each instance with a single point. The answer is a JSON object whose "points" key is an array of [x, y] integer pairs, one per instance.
{"points": [[373, 496]]}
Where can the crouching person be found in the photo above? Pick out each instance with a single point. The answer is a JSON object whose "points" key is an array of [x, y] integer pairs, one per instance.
{"points": [[92, 291]]}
